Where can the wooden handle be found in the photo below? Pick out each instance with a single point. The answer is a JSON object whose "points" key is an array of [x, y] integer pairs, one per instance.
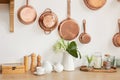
{"points": [[118, 0], [11, 14], [68, 8], [84, 25], [119, 24], [26, 2]]}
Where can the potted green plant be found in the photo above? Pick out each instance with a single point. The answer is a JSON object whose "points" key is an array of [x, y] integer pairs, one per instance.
{"points": [[89, 60], [69, 50]]}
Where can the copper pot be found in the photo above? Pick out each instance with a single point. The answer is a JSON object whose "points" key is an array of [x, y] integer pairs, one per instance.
{"points": [[84, 37], [94, 4], [27, 14], [68, 29], [48, 21], [116, 37]]}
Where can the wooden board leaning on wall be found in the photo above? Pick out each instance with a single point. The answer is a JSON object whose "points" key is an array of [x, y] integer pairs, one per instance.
{"points": [[4, 1], [11, 12]]}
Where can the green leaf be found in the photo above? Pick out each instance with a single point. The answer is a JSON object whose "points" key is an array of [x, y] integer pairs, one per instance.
{"points": [[79, 54], [72, 45], [89, 59], [72, 52]]}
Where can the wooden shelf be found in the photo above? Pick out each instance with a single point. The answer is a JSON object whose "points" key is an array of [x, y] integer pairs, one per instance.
{"points": [[4, 1], [11, 12]]}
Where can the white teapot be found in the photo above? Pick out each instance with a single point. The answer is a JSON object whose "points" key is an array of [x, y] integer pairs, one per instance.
{"points": [[58, 67], [47, 66]]}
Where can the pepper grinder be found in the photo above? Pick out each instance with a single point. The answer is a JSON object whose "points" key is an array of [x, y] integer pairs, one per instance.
{"points": [[26, 63], [38, 61], [33, 63]]}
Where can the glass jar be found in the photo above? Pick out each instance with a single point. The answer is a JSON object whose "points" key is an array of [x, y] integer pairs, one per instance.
{"points": [[107, 62], [97, 60]]}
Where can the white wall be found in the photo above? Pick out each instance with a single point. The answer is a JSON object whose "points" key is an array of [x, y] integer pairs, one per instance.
{"points": [[101, 25]]}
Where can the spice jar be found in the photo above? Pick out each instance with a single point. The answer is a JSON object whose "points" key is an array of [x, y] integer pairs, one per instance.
{"points": [[26, 60], [33, 62], [97, 60], [38, 61], [107, 62]]}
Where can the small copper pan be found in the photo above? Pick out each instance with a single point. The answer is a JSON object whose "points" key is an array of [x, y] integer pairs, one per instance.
{"points": [[48, 21], [94, 4], [84, 37], [116, 37], [27, 14], [68, 29]]}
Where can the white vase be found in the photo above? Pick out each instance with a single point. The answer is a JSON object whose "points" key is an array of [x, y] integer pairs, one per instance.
{"points": [[68, 63]]}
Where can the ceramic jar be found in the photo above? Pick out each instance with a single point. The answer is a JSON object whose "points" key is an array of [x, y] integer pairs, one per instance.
{"points": [[68, 63]]}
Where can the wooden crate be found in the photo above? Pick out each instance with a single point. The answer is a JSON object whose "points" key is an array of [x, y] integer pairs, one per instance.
{"points": [[13, 68]]}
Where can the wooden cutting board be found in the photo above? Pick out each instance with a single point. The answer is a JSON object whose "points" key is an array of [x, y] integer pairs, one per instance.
{"points": [[84, 68], [11, 12]]}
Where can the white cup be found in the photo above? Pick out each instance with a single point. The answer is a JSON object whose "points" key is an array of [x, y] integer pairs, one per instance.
{"points": [[40, 70]]}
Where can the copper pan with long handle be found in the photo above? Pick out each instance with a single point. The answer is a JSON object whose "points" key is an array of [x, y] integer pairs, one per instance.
{"points": [[27, 14], [84, 37], [68, 29], [116, 37]]}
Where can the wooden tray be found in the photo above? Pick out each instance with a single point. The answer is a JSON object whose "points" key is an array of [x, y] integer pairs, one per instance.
{"points": [[84, 68]]}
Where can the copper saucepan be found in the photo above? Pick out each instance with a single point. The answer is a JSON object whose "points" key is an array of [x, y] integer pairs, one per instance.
{"points": [[27, 14], [48, 21], [116, 37], [94, 4], [84, 37], [68, 29]]}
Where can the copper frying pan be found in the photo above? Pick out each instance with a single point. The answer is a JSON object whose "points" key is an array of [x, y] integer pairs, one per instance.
{"points": [[84, 37], [68, 29], [48, 21], [27, 14], [116, 37], [94, 4]]}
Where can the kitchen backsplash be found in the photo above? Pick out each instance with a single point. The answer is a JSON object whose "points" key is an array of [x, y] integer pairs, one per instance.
{"points": [[26, 39]]}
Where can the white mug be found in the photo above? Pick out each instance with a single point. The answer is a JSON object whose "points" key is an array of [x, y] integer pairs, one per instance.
{"points": [[40, 70]]}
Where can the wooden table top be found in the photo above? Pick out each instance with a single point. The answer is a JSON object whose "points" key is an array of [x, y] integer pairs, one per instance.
{"points": [[73, 75]]}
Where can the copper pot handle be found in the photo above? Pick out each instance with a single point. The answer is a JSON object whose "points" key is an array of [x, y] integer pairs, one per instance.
{"points": [[47, 10], [84, 25], [26, 2], [119, 25], [47, 32], [68, 8]]}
